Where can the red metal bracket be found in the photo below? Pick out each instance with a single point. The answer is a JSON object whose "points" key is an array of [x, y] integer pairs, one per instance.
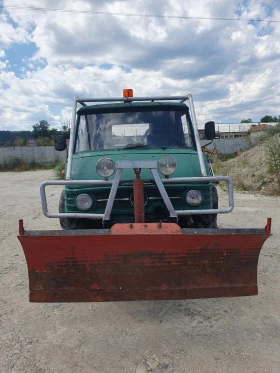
{"points": [[20, 227], [268, 226]]}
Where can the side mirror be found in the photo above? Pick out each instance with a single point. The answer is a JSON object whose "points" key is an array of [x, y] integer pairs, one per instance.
{"points": [[209, 130], [59, 142]]}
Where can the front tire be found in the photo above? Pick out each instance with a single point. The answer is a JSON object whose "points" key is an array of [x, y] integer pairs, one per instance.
{"points": [[67, 223], [73, 223], [208, 220]]}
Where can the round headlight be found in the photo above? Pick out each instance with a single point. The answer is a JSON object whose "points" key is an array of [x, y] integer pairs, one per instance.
{"points": [[105, 167], [194, 198], [84, 202], [167, 165]]}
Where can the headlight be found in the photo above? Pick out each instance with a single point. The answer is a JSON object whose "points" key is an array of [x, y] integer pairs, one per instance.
{"points": [[105, 167], [167, 165], [84, 202], [194, 198]]}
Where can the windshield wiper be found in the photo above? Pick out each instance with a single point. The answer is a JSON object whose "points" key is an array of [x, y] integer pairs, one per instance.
{"points": [[134, 146]]}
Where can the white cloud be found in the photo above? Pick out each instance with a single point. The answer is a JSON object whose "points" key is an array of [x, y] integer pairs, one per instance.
{"points": [[230, 67], [10, 34]]}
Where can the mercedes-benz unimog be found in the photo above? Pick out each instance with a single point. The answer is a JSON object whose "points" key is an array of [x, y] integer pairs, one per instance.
{"points": [[139, 211]]}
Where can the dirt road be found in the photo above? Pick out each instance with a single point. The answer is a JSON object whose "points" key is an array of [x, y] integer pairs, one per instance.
{"points": [[209, 335]]}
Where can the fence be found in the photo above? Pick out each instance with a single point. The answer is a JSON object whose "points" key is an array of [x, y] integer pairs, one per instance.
{"points": [[47, 155], [229, 146], [44, 155]]}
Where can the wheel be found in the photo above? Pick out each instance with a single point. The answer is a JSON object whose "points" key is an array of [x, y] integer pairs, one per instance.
{"points": [[67, 223], [208, 220], [72, 223]]}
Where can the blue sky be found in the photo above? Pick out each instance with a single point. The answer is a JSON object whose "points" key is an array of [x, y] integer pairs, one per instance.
{"points": [[48, 57]]}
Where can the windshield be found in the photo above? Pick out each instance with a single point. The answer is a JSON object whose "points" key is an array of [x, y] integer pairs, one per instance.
{"points": [[133, 130]]}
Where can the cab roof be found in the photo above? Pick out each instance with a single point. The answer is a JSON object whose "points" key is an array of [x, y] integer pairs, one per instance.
{"points": [[132, 107]]}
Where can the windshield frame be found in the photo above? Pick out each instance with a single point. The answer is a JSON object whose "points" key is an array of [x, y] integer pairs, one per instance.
{"points": [[183, 109]]}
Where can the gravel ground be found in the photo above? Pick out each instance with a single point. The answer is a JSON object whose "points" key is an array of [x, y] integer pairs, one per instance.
{"points": [[209, 335]]}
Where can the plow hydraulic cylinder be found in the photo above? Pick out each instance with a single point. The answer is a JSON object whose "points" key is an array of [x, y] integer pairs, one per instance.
{"points": [[138, 191]]}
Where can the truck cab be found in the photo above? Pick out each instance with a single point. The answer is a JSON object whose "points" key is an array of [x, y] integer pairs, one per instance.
{"points": [[161, 130]]}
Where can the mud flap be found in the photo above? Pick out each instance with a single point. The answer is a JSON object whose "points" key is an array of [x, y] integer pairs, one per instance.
{"points": [[141, 262]]}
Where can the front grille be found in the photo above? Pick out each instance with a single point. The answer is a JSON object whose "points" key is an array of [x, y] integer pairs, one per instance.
{"points": [[122, 203]]}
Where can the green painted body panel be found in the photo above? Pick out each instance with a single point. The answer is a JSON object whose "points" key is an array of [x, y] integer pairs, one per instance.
{"points": [[83, 168]]}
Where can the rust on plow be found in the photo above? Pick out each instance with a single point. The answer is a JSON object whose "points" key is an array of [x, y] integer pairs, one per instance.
{"points": [[122, 263]]}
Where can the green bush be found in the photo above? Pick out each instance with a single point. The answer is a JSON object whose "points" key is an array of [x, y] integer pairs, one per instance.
{"points": [[44, 141], [58, 170], [20, 142], [273, 157]]}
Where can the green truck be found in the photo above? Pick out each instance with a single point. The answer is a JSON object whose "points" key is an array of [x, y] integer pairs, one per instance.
{"points": [[159, 130], [139, 211]]}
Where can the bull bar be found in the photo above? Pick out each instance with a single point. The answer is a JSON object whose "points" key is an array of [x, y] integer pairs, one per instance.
{"points": [[152, 165]]}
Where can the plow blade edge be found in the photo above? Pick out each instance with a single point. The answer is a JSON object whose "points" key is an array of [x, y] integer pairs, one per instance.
{"points": [[141, 262]]}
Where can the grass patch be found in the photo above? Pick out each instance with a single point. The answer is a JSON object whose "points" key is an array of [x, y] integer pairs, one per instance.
{"points": [[17, 164], [240, 185], [227, 157]]}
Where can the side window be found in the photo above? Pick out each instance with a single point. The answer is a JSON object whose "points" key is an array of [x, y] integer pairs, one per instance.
{"points": [[82, 136], [187, 132]]}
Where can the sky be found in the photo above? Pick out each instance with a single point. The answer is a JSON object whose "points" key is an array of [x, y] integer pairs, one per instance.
{"points": [[213, 49]]}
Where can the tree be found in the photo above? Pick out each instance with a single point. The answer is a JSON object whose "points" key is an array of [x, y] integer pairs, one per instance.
{"points": [[9, 137], [42, 129], [65, 129], [269, 119], [249, 120]]}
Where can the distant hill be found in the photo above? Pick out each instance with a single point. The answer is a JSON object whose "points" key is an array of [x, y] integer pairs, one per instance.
{"points": [[10, 136]]}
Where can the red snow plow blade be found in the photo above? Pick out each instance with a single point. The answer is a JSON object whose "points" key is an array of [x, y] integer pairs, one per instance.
{"points": [[141, 261]]}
